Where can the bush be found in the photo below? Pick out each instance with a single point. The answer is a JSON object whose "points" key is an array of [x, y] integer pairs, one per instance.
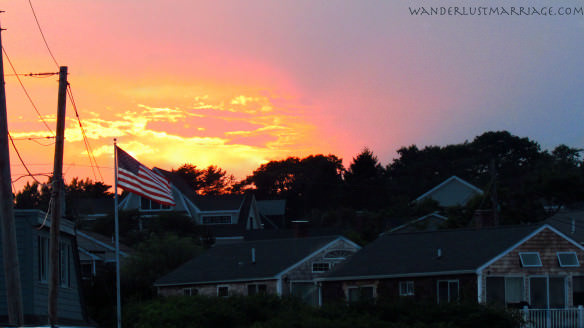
{"points": [[275, 312]]}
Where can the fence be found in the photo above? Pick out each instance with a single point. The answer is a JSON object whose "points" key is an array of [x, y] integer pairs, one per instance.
{"points": [[553, 318]]}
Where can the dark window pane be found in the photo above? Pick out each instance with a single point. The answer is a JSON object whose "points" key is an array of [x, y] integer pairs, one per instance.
{"points": [[578, 290], [568, 259], [453, 289], [366, 293], [353, 294], [557, 293], [530, 259], [251, 289], [223, 291], [496, 290], [262, 289], [144, 203], [538, 292], [443, 292]]}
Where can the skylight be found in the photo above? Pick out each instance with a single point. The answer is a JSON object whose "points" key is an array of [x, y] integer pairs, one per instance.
{"points": [[530, 259], [568, 259]]}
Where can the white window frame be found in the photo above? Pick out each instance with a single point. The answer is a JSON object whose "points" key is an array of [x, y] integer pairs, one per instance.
{"points": [[150, 209], [211, 216], [223, 286], [188, 291], [547, 278], [256, 287], [530, 265], [409, 288], [449, 281], [321, 263], [568, 265]]}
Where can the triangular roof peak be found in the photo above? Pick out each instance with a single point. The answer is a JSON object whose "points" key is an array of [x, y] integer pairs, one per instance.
{"points": [[453, 178]]}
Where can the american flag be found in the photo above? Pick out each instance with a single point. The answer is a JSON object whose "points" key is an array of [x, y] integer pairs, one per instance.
{"points": [[137, 178]]}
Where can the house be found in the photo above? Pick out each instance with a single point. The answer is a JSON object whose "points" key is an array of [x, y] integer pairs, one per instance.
{"points": [[454, 191], [430, 221], [273, 213], [97, 252], [279, 266], [537, 266], [570, 222], [227, 217], [32, 235]]}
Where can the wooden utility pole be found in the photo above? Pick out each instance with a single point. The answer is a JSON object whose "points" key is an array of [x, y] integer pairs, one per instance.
{"points": [[57, 193], [9, 246]]}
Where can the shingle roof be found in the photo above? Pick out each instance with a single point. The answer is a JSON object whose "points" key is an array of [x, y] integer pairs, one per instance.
{"points": [[415, 253], [272, 207], [232, 262], [570, 222]]}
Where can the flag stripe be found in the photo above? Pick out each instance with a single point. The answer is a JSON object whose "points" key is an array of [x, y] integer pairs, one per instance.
{"points": [[136, 185], [137, 178]]}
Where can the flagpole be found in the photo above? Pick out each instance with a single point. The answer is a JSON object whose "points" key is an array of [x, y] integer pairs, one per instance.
{"points": [[117, 233]]}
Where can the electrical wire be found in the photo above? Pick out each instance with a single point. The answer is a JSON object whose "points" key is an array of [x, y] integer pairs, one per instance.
{"points": [[21, 160], [92, 160], [42, 34], [26, 92]]}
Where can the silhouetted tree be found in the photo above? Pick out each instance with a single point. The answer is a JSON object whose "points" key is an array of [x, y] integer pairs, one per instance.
{"points": [[210, 181], [366, 181]]}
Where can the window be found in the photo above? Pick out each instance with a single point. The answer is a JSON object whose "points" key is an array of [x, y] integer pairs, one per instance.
{"points": [[150, 205], [547, 292], [222, 291], [64, 264], [568, 259], [217, 219], [43, 257], [305, 291], [360, 294], [447, 291], [505, 290], [406, 288], [255, 289], [578, 290], [530, 259], [190, 291], [320, 267]]}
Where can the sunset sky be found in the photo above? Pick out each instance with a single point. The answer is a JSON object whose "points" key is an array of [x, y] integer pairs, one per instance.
{"points": [[240, 83]]}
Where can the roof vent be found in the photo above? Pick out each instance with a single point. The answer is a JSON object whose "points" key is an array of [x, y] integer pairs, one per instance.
{"points": [[439, 253], [573, 230], [253, 259]]}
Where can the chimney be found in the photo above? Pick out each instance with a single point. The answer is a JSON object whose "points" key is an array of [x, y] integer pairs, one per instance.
{"points": [[484, 218], [253, 260], [573, 230], [300, 228], [439, 253]]}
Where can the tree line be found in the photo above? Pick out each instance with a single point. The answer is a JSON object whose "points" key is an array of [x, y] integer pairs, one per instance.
{"points": [[526, 178]]}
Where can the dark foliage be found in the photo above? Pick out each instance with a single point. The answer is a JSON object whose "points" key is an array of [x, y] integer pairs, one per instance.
{"points": [[271, 311]]}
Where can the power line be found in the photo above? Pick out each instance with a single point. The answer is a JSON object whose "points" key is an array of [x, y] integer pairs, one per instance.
{"points": [[42, 34], [20, 158], [92, 160], [39, 75], [25, 91]]}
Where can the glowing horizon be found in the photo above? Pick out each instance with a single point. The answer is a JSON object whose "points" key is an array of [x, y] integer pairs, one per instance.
{"points": [[238, 84]]}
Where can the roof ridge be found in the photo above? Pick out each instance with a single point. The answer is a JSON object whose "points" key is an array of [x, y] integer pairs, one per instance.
{"points": [[531, 225]]}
